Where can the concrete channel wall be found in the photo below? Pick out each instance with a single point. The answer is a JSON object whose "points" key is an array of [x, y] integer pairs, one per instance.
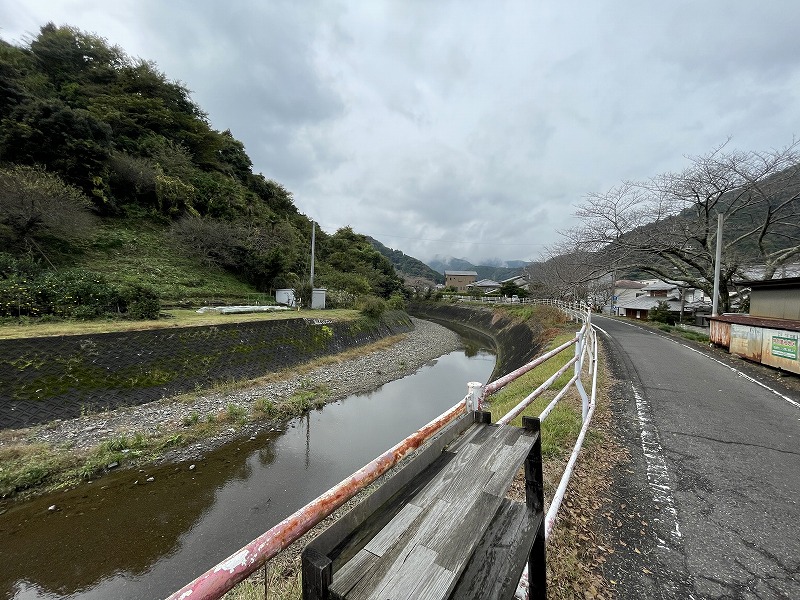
{"points": [[47, 378], [515, 343]]}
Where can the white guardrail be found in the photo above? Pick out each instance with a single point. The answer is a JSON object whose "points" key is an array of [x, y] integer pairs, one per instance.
{"points": [[218, 580]]}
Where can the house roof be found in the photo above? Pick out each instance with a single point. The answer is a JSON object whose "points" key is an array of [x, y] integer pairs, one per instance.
{"points": [[765, 284], [628, 284], [457, 273], [648, 302], [485, 283], [659, 286], [765, 322]]}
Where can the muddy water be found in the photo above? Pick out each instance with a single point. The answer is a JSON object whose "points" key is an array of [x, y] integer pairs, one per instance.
{"points": [[128, 537]]}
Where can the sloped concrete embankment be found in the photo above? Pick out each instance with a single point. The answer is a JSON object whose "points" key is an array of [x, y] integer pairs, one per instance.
{"points": [[42, 379], [514, 342]]}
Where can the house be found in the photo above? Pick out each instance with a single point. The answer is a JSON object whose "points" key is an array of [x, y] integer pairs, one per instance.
{"points": [[485, 286], [625, 290], [518, 280], [680, 300], [459, 279], [770, 333]]}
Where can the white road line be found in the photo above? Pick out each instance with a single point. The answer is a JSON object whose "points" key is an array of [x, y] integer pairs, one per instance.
{"points": [[601, 330], [657, 473]]}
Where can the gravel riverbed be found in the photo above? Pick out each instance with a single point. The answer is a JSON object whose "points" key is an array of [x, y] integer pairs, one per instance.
{"points": [[349, 376]]}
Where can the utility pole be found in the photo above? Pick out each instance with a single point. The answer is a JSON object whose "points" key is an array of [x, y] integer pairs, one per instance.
{"points": [[313, 239], [717, 268]]}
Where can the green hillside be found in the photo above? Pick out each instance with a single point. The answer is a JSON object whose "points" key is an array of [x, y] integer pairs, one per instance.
{"points": [[407, 265], [116, 190]]}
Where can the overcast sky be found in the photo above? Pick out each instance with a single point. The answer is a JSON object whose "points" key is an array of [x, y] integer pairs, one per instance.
{"points": [[462, 128]]}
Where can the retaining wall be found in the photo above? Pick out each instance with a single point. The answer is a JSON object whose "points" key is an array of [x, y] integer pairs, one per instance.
{"points": [[515, 343], [47, 378]]}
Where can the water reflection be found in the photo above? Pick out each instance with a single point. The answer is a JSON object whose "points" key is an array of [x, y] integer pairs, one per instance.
{"points": [[124, 537]]}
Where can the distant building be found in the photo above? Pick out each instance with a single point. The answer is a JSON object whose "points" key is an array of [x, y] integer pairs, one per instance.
{"points": [[485, 286], [459, 279], [625, 290], [518, 280]]}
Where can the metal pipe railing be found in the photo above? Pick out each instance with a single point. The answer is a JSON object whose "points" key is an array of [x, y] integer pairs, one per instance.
{"points": [[517, 410], [586, 347], [500, 383], [218, 580]]}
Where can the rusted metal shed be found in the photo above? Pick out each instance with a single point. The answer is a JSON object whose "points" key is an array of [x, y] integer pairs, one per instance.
{"points": [[770, 333]]}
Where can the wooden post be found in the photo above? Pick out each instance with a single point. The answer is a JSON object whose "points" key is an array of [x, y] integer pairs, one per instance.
{"points": [[317, 574], [534, 498]]}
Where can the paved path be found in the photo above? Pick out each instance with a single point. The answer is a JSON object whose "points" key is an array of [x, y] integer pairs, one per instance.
{"points": [[709, 506]]}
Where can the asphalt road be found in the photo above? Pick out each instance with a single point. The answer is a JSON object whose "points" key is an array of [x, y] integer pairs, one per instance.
{"points": [[708, 506]]}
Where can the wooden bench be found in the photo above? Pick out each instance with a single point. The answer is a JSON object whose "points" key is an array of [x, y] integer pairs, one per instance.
{"points": [[442, 527]]}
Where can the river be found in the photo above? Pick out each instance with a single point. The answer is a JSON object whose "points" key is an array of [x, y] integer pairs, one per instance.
{"points": [[125, 537]]}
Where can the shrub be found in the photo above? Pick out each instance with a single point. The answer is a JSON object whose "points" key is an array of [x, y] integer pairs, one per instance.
{"points": [[35, 204], [397, 301], [372, 307], [139, 302], [302, 293], [75, 293], [661, 313], [72, 293], [335, 298]]}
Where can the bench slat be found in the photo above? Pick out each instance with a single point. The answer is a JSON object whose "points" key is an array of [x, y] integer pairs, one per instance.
{"points": [[493, 571], [452, 533]]}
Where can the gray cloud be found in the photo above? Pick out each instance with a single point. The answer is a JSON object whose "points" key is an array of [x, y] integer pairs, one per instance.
{"points": [[463, 128]]}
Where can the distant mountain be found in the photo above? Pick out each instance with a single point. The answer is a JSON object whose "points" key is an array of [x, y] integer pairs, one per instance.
{"points": [[517, 264], [496, 273], [407, 265]]}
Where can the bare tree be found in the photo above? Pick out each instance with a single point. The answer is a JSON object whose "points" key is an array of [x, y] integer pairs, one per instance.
{"points": [[666, 226], [564, 275]]}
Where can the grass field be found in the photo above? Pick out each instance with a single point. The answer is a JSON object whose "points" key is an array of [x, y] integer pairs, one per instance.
{"points": [[171, 318], [145, 253]]}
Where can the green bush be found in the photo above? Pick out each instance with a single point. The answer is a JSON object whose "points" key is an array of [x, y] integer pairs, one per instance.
{"points": [[72, 294], [302, 293], [372, 307], [397, 301], [140, 302], [335, 298], [661, 313]]}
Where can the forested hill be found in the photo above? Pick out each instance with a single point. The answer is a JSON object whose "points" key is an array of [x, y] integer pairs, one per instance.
{"points": [[407, 265], [111, 172]]}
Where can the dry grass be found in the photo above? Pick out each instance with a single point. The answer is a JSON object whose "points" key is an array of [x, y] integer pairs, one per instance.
{"points": [[173, 318], [580, 542]]}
